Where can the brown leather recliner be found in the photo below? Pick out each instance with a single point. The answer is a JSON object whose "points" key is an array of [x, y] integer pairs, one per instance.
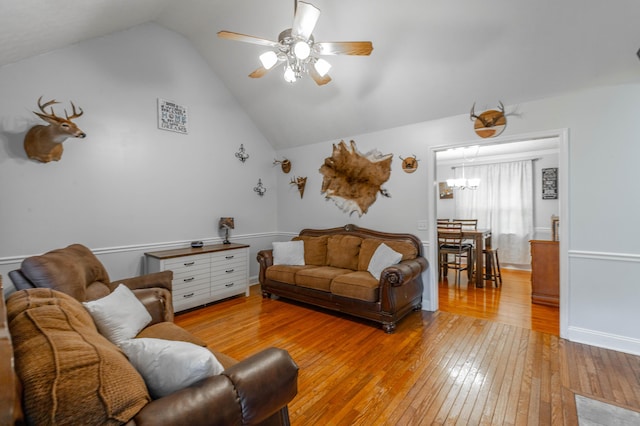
{"points": [[253, 391]]}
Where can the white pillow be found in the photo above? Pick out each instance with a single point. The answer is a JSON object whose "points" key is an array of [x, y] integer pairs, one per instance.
{"points": [[120, 315], [288, 253], [169, 365], [383, 257]]}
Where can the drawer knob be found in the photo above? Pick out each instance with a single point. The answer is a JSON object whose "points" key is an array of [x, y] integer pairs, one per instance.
{"points": [[229, 285], [229, 270], [188, 295], [189, 263], [229, 257], [186, 280]]}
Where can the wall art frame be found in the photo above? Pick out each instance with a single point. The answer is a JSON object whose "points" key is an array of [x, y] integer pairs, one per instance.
{"points": [[172, 116]]}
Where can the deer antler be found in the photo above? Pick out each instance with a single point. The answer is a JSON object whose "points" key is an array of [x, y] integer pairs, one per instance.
{"points": [[75, 113], [472, 116], [42, 107]]}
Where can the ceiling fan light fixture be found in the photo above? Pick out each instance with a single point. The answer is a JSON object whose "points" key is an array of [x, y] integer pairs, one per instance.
{"points": [[322, 67], [269, 59], [289, 75], [302, 50]]}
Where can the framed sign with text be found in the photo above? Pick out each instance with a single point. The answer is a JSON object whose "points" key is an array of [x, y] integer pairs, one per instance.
{"points": [[172, 117], [550, 184]]}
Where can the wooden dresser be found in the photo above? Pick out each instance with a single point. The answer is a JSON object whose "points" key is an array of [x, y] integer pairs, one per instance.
{"points": [[545, 272], [203, 275]]}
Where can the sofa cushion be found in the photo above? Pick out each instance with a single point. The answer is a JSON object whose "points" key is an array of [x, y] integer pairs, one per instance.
{"points": [[370, 245], [343, 251], [70, 373], [288, 253], [315, 249], [320, 277], [169, 365], [358, 285], [285, 273], [383, 257], [120, 315]]}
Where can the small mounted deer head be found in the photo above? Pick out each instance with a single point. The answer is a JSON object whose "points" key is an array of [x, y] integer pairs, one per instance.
{"points": [[410, 164], [44, 143], [489, 123], [284, 164], [300, 182]]}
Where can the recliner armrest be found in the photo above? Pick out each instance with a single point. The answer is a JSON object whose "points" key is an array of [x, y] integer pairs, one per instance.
{"points": [[247, 393], [157, 279]]}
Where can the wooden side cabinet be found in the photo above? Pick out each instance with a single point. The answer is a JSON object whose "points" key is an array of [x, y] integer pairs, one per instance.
{"points": [[203, 275], [545, 272]]}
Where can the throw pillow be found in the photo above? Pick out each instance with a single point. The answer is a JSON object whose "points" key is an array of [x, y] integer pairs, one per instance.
{"points": [[315, 249], [382, 258], [288, 253], [169, 365], [120, 315]]}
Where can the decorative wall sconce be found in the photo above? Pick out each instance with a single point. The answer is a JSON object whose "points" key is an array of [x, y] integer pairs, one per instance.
{"points": [[285, 164], [300, 182], [260, 189], [226, 223], [242, 154]]}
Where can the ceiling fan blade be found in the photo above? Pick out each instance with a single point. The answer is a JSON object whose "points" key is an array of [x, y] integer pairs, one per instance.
{"points": [[246, 38], [344, 48], [320, 80], [260, 72], [305, 20]]}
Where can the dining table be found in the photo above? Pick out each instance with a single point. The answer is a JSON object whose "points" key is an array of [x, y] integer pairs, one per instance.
{"points": [[481, 239]]}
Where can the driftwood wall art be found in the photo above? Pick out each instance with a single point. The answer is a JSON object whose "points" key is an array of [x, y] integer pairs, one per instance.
{"points": [[352, 179], [44, 143]]}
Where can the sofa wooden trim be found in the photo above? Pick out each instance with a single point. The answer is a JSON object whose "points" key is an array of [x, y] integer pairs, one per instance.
{"points": [[399, 293]]}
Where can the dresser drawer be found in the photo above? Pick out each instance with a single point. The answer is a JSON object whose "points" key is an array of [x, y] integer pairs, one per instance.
{"points": [[179, 264], [229, 256]]}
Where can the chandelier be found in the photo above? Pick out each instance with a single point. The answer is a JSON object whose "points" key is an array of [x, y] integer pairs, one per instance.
{"points": [[298, 54], [463, 182]]}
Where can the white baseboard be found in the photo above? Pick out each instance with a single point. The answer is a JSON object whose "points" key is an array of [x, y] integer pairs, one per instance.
{"points": [[604, 340]]}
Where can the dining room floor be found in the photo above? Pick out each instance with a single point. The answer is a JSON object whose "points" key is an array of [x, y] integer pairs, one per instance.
{"points": [[508, 304]]}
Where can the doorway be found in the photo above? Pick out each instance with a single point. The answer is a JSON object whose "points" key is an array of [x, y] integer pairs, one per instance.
{"points": [[541, 138]]}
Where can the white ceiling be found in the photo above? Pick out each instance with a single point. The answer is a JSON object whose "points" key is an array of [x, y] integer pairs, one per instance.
{"points": [[431, 59]]}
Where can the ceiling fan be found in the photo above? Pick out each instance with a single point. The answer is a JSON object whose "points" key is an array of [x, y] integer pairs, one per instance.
{"points": [[297, 49]]}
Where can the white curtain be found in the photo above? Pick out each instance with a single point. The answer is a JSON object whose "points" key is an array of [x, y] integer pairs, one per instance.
{"points": [[503, 203]]}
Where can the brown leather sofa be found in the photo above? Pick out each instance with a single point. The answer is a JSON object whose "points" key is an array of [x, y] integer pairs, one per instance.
{"points": [[253, 391], [335, 276]]}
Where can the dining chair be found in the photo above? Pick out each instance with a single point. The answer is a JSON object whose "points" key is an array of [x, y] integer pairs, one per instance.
{"points": [[452, 252], [439, 221]]}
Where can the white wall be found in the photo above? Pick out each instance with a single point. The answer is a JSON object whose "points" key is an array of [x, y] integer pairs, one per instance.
{"points": [[129, 187], [600, 296]]}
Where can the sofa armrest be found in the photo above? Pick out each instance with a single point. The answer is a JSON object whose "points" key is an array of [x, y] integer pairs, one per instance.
{"points": [[403, 272], [157, 279], [154, 291], [265, 259], [246, 393]]}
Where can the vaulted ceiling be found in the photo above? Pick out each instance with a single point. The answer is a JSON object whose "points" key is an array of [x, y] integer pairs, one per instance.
{"points": [[431, 59]]}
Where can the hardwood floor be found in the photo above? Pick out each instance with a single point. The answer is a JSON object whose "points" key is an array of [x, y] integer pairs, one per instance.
{"points": [[509, 304], [437, 368]]}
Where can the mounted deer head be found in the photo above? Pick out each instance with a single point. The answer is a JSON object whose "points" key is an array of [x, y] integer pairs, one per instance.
{"points": [[284, 164], [44, 143], [300, 182]]}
